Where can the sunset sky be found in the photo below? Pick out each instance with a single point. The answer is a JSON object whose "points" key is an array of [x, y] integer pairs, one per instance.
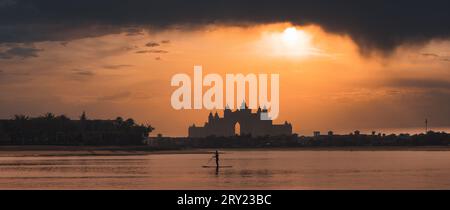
{"points": [[381, 66]]}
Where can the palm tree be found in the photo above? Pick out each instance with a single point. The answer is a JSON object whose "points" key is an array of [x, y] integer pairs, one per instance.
{"points": [[83, 116], [130, 123], [49, 116], [118, 122], [149, 128], [63, 118], [21, 118]]}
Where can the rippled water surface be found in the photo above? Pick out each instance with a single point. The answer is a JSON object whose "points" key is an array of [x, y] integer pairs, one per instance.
{"points": [[250, 170]]}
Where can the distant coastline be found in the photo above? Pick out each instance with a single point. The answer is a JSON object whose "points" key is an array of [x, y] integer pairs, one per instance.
{"points": [[62, 133], [62, 151]]}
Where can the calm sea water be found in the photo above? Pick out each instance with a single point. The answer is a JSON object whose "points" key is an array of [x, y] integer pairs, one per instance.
{"points": [[251, 170]]}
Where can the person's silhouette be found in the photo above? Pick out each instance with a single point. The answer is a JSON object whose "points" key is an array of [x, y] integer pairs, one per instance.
{"points": [[217, 161]]}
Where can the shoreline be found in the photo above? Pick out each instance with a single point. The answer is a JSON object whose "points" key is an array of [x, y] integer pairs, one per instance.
{"points": [[67, 151]]}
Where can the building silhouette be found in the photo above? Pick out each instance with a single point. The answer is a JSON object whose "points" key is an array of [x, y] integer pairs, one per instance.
{"points": [[240, 122]]}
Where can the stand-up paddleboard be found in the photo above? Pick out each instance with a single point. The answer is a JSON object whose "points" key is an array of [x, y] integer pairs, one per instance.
{"points": [[217, 167]]}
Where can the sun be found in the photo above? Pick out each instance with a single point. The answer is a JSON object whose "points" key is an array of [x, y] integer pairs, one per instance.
{"points": [[292, 36], [295, 42], [288, 42]]}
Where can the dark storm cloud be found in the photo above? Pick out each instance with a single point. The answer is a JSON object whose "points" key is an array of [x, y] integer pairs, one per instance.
{"points": [[152, 44], [432, 55], [115, 67], [134, 32], [81, 75], [19, 52], [436, 57], [152, 51], [6, 3], [381, 24], [83, 72]]}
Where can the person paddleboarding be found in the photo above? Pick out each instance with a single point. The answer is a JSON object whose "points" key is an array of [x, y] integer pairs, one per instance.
{"points": [[217, 159]]}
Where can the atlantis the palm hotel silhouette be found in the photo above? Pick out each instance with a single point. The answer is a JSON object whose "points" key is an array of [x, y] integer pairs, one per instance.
{"points": [[249, 123]]}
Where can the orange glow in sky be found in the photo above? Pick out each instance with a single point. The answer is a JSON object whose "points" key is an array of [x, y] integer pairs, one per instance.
{"points": [[326, 84]]}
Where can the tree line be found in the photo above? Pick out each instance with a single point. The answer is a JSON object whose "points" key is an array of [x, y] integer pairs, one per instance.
{"points": [[50, 129]]}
